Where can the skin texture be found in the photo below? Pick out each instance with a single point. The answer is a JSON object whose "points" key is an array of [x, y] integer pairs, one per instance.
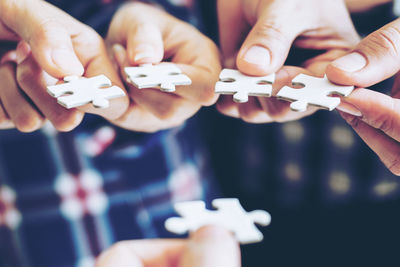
{"points": [[210, 246], [134, 40], [273, 28], [52, 45], [375, 116]]}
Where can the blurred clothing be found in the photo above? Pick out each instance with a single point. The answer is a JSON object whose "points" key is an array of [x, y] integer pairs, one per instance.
{"points": [[65, 197]]}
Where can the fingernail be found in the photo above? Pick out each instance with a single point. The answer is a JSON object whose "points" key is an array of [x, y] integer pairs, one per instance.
{"points": [[258, 55], [143, 52], [119, 53], [349, 109], [66, 60], [350, 63]]}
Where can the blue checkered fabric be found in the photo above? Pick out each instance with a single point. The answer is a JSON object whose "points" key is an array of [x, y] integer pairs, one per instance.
{"points": [[65, 197]]}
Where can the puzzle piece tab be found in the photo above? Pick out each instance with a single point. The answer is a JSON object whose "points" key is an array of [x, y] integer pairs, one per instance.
{"points": [[229, 214], [241, 86], [316, 92], [164, 76], [78, 91]]}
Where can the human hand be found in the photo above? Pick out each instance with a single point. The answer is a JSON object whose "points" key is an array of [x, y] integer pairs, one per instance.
{"points": [[208, 247], [374, 116], [136, 39], [273, 27], [54, 45], [364, 5]]}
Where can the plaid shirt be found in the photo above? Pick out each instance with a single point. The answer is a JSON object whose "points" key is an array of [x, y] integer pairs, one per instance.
{"points": [[65, 197]]}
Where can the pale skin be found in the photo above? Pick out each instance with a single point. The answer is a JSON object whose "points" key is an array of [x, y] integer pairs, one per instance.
{"points": [[326, 25], [54, 45], [373, 115], [210, 246], [135, 39], [257, 35]]}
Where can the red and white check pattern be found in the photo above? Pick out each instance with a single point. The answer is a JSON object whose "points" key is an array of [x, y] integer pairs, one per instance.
{"points": [[9, 215], [81, 195]]}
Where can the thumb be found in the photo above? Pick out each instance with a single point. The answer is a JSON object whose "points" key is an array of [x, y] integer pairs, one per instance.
{"points": [[376, 58], [209, 247], [267, 46], [44, 27], [145, 44]]}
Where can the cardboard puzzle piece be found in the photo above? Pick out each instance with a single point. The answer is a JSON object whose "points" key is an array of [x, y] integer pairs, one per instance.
{"points": [[78, 91], [241, 86], [316, 92], [164, 76], [229, 214]]}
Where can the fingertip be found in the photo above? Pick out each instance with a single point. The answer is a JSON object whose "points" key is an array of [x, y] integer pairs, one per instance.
{"points": [[338, 76], [118, 255], [54, 51], [211, 246], [145, 44], [119, 54], [212, 232], [65, 59], [255, 60], [144, 54]]}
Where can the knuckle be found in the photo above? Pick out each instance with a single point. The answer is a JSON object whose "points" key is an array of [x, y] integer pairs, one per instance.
{"points": [[386, 122], [90, 38], [354, 122], [386, 40], [265, 29], [45, 30], [386, 125]]}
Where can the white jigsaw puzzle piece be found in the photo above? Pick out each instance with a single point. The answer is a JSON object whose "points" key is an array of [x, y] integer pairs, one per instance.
{"points": [[229, 214], [241, 86], [164, 76], [316, 92], [78, 91]]}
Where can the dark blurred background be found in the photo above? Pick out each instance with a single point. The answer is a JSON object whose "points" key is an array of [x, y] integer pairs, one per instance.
{"points": [[332, 201]]}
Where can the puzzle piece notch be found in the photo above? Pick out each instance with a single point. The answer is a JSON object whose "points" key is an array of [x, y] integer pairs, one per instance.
{"points": [[229, 214], [78, 91], [165, 76], [241, 86], [316, 92]]}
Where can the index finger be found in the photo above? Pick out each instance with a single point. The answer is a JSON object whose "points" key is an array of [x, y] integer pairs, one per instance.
{"points": [[377, 110], [232, 29], [141, 253], [91, 51]]}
